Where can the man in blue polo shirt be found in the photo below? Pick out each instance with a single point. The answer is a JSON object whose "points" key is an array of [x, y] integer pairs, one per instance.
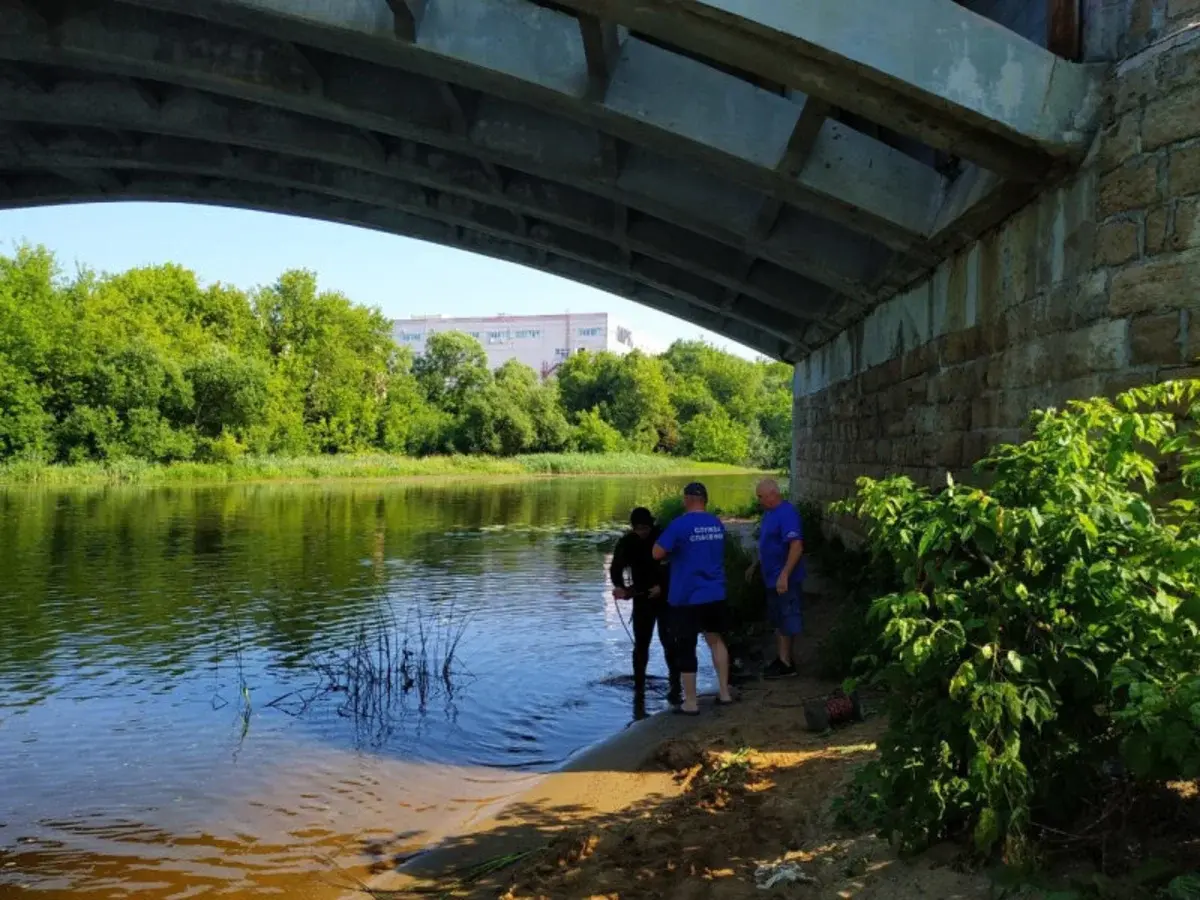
{"points": [[781, 556], [695, 545]]}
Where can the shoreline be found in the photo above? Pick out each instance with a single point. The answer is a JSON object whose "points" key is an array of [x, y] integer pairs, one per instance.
{"points": [[604, 778], [372, 467], [689, 807]]}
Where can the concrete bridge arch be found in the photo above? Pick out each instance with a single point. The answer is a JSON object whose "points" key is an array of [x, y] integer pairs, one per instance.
{"points": [[768, 170]]}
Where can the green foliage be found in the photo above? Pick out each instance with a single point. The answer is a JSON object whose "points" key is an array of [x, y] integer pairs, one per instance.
{"points": [[151, 365], [1043, 627], [592, 434], [715, 437]]}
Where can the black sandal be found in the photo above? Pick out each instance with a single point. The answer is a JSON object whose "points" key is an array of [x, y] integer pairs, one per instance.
{"points": [[680, 711]]}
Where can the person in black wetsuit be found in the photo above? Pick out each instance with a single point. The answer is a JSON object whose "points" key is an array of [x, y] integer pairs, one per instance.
{"points": [[648, 590]]}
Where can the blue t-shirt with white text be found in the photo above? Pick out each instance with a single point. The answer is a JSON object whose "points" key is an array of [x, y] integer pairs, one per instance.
{"points": [[780, 526], [695, 544]]}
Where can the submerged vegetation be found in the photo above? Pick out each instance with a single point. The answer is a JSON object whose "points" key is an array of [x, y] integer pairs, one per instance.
{"points": [[119, 372]]}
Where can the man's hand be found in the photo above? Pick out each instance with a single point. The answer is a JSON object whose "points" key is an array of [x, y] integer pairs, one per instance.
{"points": [[750, 572], [781, 583], [655, 592], [620, 594]]}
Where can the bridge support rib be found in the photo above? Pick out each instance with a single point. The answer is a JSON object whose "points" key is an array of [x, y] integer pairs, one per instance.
{"points": [[927, 68]]}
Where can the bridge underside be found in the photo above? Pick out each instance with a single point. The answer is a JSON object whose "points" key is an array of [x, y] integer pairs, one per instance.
{"points": [[767, 169]]}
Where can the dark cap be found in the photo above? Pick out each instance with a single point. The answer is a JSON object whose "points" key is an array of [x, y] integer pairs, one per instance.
{"points": [[641, 516], [696, 489]]}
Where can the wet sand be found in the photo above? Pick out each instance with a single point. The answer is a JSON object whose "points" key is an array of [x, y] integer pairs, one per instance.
{"points": [[679, 807]]}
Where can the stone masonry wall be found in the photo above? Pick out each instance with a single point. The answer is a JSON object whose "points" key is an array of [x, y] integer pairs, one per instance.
{"points": [[1091, 288]]}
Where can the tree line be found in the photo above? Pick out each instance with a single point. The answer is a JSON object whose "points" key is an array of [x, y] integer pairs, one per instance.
{"points": [[150, 364]]}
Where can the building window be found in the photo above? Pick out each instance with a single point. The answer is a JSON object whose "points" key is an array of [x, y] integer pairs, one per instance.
{"points": [[474, 334], [411, 337], [495, 337], [591, 332], [562, 353], [526, 333]]}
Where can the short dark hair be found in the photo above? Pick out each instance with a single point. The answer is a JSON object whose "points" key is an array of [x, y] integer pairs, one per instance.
{"points": [[641, 516], [696, 489]]}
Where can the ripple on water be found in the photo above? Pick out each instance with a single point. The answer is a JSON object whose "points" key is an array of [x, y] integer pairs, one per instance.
{"points": [[149, 634]]}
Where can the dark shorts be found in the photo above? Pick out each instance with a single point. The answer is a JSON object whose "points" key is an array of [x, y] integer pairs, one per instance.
{"points": [[784, 610], [703, 618], [687, 623]]}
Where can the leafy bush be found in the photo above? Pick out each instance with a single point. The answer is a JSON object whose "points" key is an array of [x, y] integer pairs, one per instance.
{"points": [[715, 437], [1044, 628], [593, 435]]}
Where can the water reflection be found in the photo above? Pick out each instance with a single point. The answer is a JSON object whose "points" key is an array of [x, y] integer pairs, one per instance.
{"points": [[166, 724]]}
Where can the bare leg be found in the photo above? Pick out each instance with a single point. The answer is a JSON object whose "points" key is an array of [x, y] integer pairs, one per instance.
{"points": [[783, 647], [720, 658], [690, 702]]}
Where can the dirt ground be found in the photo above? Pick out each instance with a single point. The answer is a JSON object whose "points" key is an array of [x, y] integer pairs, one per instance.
{"points": [[748, 786]]}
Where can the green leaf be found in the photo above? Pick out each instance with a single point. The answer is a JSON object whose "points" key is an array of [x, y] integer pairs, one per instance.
{"points": [[1015, 662], [987, 829]]}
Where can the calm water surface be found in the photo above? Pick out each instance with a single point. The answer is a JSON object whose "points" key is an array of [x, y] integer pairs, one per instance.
{"points": [[244, 691]]}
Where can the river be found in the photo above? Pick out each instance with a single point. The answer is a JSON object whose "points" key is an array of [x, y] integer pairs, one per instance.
{"points": [[273, 690]]}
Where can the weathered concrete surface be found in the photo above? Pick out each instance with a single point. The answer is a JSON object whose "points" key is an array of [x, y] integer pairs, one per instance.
{"points": [[765, 213], [1092, 288]]}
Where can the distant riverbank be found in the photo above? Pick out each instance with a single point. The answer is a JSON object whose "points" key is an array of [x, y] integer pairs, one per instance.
{"points": [[307, 468]]}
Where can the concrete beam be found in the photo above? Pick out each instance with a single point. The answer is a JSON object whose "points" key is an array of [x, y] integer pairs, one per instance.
{"points": [[379, 99], [408, 15], [601, 46], [72, 152], [926, 68], [535, 56]]}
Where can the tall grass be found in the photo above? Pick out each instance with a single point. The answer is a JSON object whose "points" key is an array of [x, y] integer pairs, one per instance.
{"points": [[307, 468]]}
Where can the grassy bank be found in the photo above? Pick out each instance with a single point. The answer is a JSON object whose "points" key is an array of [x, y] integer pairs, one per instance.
{"points": [[270, 468]]}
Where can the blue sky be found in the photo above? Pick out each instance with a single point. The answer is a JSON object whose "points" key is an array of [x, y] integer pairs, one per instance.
{"points": [[402, 277]]}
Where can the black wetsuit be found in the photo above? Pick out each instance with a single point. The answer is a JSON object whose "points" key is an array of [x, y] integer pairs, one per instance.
{"points": [[637, 555]]}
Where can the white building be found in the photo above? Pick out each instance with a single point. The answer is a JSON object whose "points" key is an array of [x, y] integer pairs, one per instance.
{"points": [[540, 342]]}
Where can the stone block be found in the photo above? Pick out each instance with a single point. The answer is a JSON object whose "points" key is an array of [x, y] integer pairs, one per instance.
{"points": [[1097, 348], [1177, 9], [949, 451], [1186, 233], [954, 416], [1183, 170], [1156, 340], [985, 411], [1156, 229], [1135, 89], [1132, 186], [960, 346], [1173, 118], [1163, 282], [1116, 243], [974, 445], [1119, 142]]}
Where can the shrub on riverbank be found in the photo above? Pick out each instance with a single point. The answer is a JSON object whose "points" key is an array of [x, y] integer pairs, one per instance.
{"points": [[1046, 636], [274, 468]]}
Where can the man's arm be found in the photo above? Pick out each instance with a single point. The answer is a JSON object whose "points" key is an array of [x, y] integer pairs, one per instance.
{"points": [[795, 553], [794, 535], [615, 570], [665, 543]]}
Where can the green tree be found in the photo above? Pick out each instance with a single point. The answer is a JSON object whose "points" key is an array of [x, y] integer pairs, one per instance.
{"points": [[228, 393], [24, 425], [716, 437], [592, 434], [453, 366]]}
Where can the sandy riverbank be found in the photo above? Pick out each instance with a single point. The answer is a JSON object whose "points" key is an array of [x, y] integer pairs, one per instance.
{"points": [[690, 808]]}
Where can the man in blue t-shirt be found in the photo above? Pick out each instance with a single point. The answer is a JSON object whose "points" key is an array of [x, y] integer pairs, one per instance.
{"points": [[781, 557], [695, 545]]}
